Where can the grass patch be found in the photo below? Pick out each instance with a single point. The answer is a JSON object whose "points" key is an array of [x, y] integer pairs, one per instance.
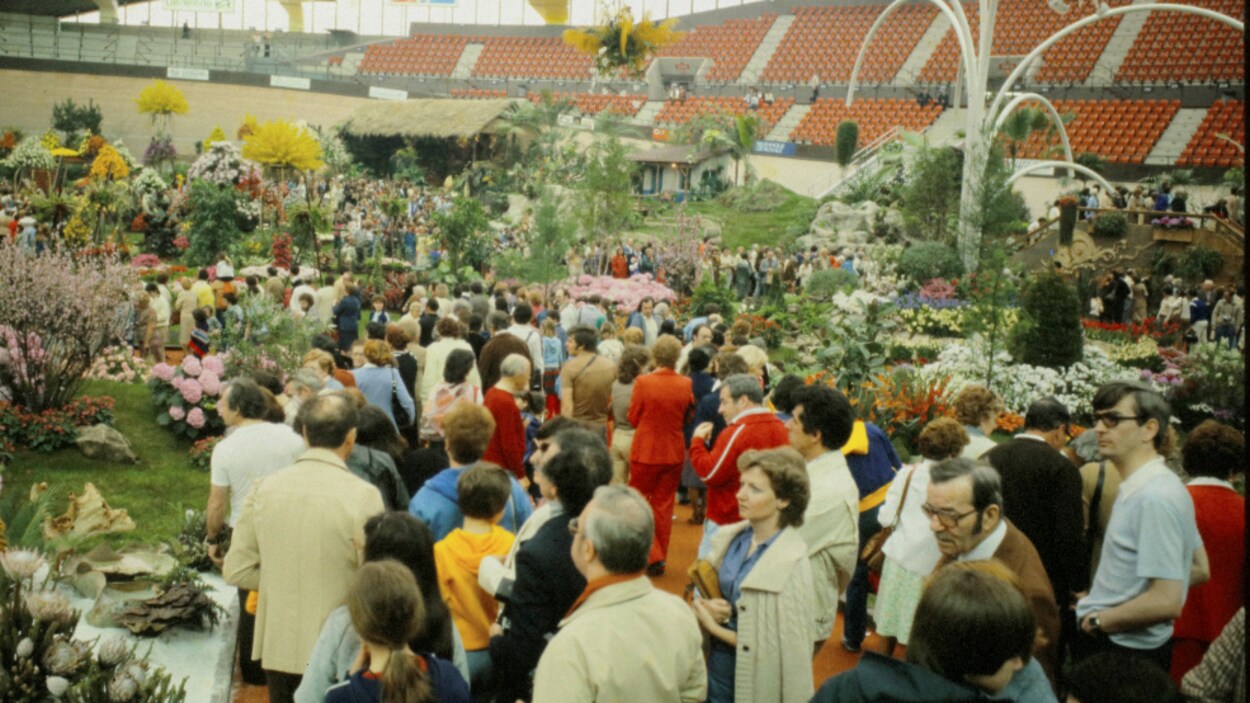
{"points": [[154, 492], [770, 227]]}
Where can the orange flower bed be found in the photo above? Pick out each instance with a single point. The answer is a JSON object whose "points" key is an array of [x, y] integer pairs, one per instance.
{"points": [[1010, 422]]}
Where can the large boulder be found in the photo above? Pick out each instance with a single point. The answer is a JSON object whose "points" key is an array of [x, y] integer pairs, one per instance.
{"points": [[106, 444]]}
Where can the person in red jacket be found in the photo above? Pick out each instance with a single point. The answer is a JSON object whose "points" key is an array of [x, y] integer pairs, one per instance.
{"points": [[507, 444], [658, 408], [751, 426], [1212, 456]]}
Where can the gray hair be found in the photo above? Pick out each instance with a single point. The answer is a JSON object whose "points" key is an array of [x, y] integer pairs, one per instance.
{"points": [[744, 384], [621, 527], [987, 486], [307, 379], [514, 365], [498, 320]]}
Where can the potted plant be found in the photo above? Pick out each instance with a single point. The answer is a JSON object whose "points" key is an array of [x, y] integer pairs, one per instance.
{"points": [[1067, 219]]}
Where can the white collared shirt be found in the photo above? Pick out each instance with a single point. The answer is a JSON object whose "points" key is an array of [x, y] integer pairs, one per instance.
{"points": [[988, 546]]}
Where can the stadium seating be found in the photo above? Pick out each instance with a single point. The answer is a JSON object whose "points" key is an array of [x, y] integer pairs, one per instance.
{"points": [[1187, 48], [679, 112], [875, 117], [418, 55], [1119, 131], [478, 94], [729, 45], [1205, 149], [823, 41], [531, 57], [594, 103], [1020, 26]]}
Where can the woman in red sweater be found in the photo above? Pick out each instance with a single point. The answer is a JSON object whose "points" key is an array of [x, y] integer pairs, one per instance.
{"points": [[658, 410], [1212, 455], [507, 444]]}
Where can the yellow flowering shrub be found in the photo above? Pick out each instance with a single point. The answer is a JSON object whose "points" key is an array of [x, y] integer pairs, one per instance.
{"points": [[217, 135], [108, 165], [282, 144], [161, 98]]}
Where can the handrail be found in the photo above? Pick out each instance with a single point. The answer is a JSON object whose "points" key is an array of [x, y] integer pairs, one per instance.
{"points": [[1222, 225]]}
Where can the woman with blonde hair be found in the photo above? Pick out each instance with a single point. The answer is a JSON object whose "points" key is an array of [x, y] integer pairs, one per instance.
{"points": [[387, 612]]}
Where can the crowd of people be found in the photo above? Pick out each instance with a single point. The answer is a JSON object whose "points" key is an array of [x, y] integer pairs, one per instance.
{"points": [[1205, 313], [471, 504]]}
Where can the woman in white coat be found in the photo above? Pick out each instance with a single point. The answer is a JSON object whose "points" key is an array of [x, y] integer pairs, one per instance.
{"points": [[763, 627]]}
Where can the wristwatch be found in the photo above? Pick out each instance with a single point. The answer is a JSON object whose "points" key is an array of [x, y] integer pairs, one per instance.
{"points": [[1095, 624]]}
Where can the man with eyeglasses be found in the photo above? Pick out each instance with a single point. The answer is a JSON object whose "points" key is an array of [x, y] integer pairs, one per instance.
{"points": [[1152, 552], [965, 510]]}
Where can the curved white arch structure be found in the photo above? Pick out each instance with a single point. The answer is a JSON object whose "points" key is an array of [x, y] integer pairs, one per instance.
{"points": [[1037, 166], [1050, 110]]}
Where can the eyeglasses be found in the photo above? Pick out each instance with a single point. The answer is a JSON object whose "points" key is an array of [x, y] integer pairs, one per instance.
{"points": [[574, 527], [948, 518], [1111, 419]]}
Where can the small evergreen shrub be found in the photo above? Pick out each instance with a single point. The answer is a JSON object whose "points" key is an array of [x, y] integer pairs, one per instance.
{"points": [[1110, 224], [929, 260], [825, 283], [1049, 330], [847, 141]]}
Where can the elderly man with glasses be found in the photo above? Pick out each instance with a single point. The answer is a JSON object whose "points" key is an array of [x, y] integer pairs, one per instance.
{"points": [[965, 510], [1152, 552]]}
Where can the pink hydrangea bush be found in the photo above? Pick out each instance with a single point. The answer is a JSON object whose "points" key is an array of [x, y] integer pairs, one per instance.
{"points": [[118, 364], [625, 293], [185, 396]]}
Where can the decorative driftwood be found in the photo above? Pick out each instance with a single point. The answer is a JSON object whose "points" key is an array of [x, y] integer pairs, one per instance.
{"points": [[182, 604]]}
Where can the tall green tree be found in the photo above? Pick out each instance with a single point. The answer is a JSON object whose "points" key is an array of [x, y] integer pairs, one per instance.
{"points": [[551, 238], [605, 204], [929, 201], [464, 233]]}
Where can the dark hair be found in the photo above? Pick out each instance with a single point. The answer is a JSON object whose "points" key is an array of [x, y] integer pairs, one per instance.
{"points": [[787, 475], [554, 426], [246, 398], [522, 313], [458, 365], [1116, 677], [387, 608], [825, 410], [375, 330], [1046, 414], [498, 320], [202, 274], [968, 623], [467, 429], [402, 536], [987, 485], [782, 395], [584, 336], [375, 429], [634, 360], [397, 337], [327, 419], [482, 491], [1149, 404], [699, 357], [264, 379], [1213, 449], [151, 288], [581, 466], [729, 364]]}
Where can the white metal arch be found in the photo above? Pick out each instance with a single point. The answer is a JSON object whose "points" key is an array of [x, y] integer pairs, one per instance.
{"points": [[958, 21], [1026, 170], [1050, 109]]}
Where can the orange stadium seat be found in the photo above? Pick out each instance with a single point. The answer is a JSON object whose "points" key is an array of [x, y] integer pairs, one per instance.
{"points": [[1205, 149], [875, 117], [1179, 47], [1119, 131], [594, 103], [823, 42], [730, 45], [676, 113]]}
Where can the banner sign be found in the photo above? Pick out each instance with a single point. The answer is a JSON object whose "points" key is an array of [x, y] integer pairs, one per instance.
{"points": [[775, 148], [290, 82], [186, 74], [387, 93], [219, 6]]}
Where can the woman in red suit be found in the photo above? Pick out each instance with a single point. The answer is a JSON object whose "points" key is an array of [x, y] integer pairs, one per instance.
{"points": [[1212, 455], [658, 410]]}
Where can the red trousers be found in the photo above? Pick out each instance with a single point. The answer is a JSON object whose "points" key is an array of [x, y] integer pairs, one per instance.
{"points": [[658, 484]]}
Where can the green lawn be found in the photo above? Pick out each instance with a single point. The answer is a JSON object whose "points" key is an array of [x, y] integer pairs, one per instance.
{"points": [[766, 227], [155, 491]]}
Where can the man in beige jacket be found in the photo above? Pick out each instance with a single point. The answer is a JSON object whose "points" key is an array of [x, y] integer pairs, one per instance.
{"points": [[623, 640], [299, 541]]}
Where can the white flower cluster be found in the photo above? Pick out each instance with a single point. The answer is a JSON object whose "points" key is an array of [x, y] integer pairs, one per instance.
{"points": [[149, 182], [30, 154], [222, 164]]}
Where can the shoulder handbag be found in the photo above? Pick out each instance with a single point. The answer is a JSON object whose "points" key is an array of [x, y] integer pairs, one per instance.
{"points": [[873, 553], [398, 411], [704, 579]]}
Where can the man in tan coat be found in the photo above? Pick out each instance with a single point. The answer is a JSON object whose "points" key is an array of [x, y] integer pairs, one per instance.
{"points": [[623, 639], [299, 541]]}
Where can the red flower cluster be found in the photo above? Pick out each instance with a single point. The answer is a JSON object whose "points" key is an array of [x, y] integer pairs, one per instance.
{"points": [[1149, 327], [52, 429]]}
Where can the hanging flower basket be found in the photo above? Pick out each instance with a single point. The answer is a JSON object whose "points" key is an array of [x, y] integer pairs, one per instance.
{"points": [[1067, 220], [622, 46]]}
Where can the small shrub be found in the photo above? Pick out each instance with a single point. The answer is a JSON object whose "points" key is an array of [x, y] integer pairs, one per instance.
{"points": [[847, 141], [1049, 331], [1199, 262], [929, 260], [1110, 224], [825, 283], [201, 453], [708, 292]]}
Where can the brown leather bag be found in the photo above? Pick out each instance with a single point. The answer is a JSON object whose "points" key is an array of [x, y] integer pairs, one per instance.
{"points": [[704, 578], [873, 554]]}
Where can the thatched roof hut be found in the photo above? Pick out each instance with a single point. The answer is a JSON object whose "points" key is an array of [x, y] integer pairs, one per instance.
{"points": [[440, 118]]}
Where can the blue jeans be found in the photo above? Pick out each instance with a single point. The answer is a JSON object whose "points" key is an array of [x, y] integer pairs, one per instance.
{"points": [[855, 621], [721, 662]]}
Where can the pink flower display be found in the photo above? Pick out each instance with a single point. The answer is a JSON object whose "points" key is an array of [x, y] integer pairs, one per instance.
{"points": [[164, 372], [196, 418], [192, 391], [626, 293], [191, 366], [214, 364], [176, 382], [210, 382], [176, 413]]}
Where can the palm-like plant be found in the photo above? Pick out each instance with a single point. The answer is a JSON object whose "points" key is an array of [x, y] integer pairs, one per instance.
{"points": [[1019, 126], [735, 134]]}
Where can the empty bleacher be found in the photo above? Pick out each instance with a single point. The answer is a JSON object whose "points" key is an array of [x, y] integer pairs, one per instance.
{"points": [[418, 55], [1187, 48], [823, 41], [679, 112], [531, 57], [1206, 149], [1020, 26], [874, 117], [729, 45], [594, 103], [478, 94], [1119, 131]]}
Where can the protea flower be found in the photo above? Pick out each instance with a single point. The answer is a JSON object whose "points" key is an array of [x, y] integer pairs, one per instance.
{"points": [[123, 688], [63, 657], [21, 563], [114, 652], [49, 606]]}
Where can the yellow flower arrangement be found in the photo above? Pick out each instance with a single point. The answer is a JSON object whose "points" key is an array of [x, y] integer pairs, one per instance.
{"points": [[108, 165], [161, 98], [50, 141], [217, 135], [76, 232], [622, 44], [283, 144]]}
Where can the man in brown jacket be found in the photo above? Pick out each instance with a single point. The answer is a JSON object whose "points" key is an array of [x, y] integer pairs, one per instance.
{"points": [[965, 510]]}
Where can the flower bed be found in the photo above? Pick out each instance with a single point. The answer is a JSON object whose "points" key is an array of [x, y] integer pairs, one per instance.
{"points": [[625, 293], [185, 396], [120, 365], [50, 430]]}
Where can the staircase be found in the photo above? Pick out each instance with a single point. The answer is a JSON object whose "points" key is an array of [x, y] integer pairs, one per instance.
{"points": [[648, 111], [764, 52], [1174, 139], [1108, 64], [908, 72], [468, 59], [945, 128], [781, 131]]}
